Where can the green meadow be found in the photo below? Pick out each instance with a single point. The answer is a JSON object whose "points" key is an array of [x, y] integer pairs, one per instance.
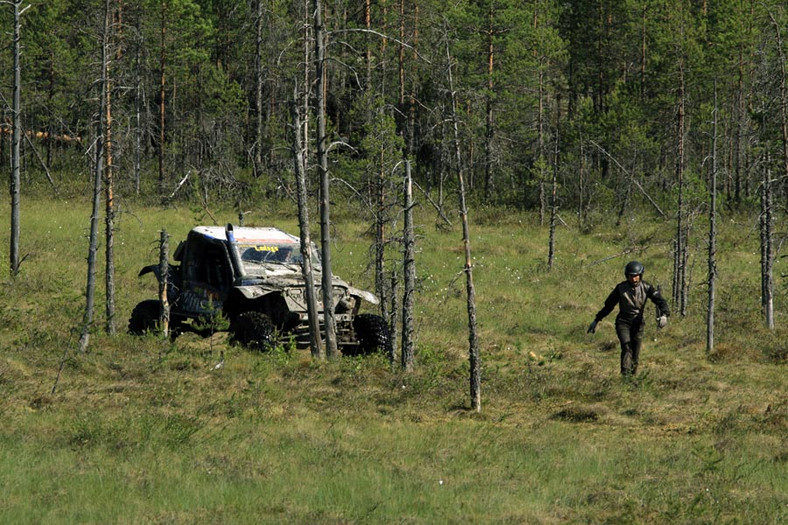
{"points": [[144, 430]]}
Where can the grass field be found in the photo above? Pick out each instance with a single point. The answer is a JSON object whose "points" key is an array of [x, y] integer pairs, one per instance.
{"points": [[139, 430]]}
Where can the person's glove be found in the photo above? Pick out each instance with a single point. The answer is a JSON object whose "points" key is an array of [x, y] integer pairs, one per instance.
{"points": [[662, 321], [592, 327]]}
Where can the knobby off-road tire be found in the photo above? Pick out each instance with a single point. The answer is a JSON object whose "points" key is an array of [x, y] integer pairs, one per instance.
{"points": [[372, 333], [145, 317], [253, 330]]}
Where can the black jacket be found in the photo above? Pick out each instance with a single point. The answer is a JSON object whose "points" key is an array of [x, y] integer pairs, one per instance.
{"points": [[631, 301]]}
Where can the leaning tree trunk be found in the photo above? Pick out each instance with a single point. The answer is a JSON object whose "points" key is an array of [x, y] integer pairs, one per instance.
{"points": [[303, 226], [473, 340], [322, 163]]}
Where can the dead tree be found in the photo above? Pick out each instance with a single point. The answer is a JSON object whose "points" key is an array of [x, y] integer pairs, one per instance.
{"points": [[164, 271], [322, 165], [303, 226], [767, 258], [16, 140], [712, 233], [109, 213], [554, 196], [473, 340], [409, 271], [90, 289], [681, 252]]}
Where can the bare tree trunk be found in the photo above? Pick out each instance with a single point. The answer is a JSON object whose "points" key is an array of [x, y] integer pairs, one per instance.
{"points": [[305, 142], [258, 70], [540, 147], [712, 234], [322, 162], [409, 270], [164, 269], [138, 105], [766, 225], [90, 289], [367, 44], [307, 271], [16, 140], [553, 209], [109, 218], [680, 254], [473, 341], [644, 25], [393, 326], [162, 85], [489, 183], [381, 284]]}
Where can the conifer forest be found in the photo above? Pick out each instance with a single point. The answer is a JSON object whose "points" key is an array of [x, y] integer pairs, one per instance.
{"points": [[593, 106]]}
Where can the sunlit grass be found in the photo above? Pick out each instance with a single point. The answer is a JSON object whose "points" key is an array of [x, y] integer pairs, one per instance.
{"points": [[141, 430]]}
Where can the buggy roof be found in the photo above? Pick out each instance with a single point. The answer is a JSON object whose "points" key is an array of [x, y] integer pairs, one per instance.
{"points": [[246, 235]]}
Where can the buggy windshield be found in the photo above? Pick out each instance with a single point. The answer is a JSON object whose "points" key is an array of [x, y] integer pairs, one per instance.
{"points": [[285, 253]]}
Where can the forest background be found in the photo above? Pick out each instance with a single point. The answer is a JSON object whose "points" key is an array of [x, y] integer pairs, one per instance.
{"points": [[598, 117]]}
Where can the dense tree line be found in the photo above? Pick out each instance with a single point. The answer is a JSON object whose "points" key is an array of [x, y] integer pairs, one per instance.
{"points": [[613, 97]]}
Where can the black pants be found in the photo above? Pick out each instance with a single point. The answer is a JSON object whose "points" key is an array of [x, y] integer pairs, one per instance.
{"points": [[630, 335]]}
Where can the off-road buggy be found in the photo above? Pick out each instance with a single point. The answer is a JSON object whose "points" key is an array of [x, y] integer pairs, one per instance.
{"points": [[253, 278]]}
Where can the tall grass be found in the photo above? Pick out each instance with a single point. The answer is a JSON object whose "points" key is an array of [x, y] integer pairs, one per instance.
{"points": [[141, 430]]}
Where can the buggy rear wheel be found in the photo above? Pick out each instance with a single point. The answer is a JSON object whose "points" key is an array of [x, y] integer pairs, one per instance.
{"points": [[145, 317]]}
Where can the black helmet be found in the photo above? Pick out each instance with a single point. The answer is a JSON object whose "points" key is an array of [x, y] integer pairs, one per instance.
{"points": [[633, 268]]}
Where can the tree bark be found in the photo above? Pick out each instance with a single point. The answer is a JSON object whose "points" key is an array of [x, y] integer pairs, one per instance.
{"points": [[109, 218], [766, 225], [322, 163], [90, 289], [307, 271], [489, 183], [162, 85], [409, 271], [258, 70], [680, 256], [473, 340], [164, 269], [16, 140], [712, 233]]}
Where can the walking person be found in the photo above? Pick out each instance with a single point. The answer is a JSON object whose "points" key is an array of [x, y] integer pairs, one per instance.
{"points": [[631, 296]]}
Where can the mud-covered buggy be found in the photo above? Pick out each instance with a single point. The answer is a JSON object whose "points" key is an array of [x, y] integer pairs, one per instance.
{"points": [[253, 277]]}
